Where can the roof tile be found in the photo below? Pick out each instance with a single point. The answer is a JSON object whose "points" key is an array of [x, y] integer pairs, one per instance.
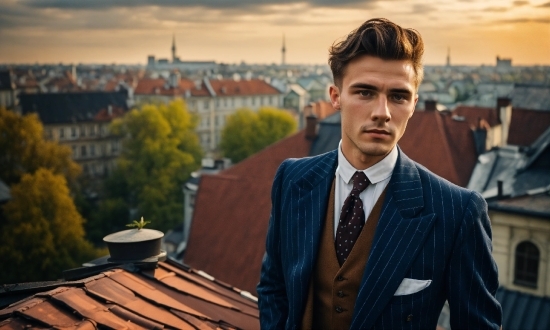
{"points": [[171, 295], [210, 247]]}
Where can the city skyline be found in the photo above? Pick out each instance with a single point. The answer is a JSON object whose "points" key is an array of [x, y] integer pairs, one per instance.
{"points": [[231, 31]]}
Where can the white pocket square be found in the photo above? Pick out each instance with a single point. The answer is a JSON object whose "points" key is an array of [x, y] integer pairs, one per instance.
{"points": [[410, 286]]}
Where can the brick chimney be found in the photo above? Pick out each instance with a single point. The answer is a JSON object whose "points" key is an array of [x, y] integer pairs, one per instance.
{"points": [[504, 108], [430, 105], [311, 127]]}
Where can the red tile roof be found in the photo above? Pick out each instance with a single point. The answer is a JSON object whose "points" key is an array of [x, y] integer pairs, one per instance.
{"points": [[225, 87], [527, 125], [231, 214], [230, 87], [474, 114], [160, 86], [169, 296], [445, 146]]}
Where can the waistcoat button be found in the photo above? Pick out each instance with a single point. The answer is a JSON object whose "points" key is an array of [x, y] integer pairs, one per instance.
{"points": [[340, 294], [339, 309], [409, 318], [340, 278]]}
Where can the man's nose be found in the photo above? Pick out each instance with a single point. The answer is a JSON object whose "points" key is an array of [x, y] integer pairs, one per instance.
{"points": [[381, 112]]}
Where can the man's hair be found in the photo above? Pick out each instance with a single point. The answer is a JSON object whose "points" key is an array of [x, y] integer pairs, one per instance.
{"points": [[381, 38]]}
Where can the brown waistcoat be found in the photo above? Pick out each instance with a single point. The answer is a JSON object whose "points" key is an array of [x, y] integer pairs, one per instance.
{"points": [[333, 289]]}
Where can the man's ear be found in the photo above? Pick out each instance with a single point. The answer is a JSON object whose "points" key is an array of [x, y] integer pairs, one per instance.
{"points": [[334, 93]]}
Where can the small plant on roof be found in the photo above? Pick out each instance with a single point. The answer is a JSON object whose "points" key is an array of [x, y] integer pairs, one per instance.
{"points": [[137, 224]]}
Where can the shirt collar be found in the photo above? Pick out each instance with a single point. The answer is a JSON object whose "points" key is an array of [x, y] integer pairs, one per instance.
{"points": [[376, 173]]}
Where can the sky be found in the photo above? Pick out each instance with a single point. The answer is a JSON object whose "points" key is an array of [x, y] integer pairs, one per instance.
{"points": [[231, 31]]}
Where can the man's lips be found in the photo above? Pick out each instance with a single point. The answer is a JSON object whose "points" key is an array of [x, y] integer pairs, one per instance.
{"points": [[378, 131]]}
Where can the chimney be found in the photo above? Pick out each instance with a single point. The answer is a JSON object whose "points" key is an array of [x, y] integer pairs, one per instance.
{"points": [[311, 127], [430, 105], [504, 108], [500, 193]]}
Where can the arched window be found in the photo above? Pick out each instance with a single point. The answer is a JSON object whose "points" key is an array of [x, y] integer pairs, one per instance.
{"points": [[527, 264]]}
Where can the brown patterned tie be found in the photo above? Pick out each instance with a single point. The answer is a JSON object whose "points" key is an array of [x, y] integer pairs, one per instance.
{"points": [[352, 218]]}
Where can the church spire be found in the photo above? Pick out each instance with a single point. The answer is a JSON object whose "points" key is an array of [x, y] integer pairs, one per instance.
{"points": [[174, 48], [448, 56], [283, 51]]}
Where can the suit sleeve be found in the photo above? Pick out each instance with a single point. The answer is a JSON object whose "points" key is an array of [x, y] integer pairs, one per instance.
{"points": [[272, 298], [473, 277]]}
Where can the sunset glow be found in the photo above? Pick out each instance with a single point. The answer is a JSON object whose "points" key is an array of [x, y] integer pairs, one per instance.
{"points": [[124, 31]]}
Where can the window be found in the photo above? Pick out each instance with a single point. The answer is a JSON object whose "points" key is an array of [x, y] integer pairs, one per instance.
{"points": [[83, 151], [114, 146], [92, 150], [82, 130], [61, 133], [74, 151], [526, 269], [92, 130], [73, 132]]}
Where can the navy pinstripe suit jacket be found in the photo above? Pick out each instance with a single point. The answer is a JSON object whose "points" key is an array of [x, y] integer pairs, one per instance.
{"points": [[429, 229]]}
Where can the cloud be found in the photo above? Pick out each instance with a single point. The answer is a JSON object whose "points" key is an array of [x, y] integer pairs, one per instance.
{"points": [[213, 4], [544, 5], [520, 3], [423, 9], [525, 20], [496, 9]]}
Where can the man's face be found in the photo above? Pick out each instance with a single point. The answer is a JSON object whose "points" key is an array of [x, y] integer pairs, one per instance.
{"points": [[376, 99]]}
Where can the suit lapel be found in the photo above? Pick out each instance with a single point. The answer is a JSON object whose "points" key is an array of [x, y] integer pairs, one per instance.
{"points": [[312, 190], [399, 236]]}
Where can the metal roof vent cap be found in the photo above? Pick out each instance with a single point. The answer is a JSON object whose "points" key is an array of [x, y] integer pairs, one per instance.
{"points": [[135, 246]]}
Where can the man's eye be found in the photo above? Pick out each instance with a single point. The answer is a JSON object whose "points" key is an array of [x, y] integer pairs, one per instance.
{"points": [[397, 97], [365, 93]]}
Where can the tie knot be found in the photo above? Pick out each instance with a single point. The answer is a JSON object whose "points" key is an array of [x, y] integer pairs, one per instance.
{"points": [[360, 182]]}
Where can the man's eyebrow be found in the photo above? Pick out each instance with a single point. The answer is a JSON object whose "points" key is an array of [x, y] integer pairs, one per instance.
{"points": [[374, 88], [364, 86]]}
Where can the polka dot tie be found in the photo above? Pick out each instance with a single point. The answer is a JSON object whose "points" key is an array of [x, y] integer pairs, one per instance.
{"points": [[352, 218]]}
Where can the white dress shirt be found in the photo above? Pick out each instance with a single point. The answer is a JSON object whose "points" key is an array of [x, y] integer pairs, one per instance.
{"points": [[379, 175]]}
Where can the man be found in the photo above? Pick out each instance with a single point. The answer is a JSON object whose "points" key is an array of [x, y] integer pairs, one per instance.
{"points": [[339, 255]]}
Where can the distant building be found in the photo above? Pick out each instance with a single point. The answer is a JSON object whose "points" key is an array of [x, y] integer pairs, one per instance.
{"points": [[81, 121], [8, 98], [164, 64], [212, 100], [504, 63]]}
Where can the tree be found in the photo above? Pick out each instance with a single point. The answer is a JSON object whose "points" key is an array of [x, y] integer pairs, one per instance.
{"points": [[43, 233], [247, 132], [24, 150], [160, 150]]}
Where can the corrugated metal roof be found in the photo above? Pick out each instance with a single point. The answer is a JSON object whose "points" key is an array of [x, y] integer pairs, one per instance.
{"points": [[523, 311], [170, 296]]}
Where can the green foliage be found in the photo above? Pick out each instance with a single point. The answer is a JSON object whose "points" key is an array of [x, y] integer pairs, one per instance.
{"points": [[24, 150], [43, 233], [138, 224], [247, 132], [160, 150]]}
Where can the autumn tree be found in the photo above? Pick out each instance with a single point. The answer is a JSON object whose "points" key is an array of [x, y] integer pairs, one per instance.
{"points": [[160, 150], [247, 132], [43, 234], [23, 149]]}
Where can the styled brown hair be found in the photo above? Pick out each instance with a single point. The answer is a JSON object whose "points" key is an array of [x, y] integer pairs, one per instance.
{"points": [[381, 38]]}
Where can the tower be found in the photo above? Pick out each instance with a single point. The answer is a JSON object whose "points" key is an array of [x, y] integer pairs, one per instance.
{"points": [[173, 48], [448, 56], [283, 51]]}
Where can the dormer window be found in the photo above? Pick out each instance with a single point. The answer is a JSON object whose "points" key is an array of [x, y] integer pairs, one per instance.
{"points": [[526, 269]]}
